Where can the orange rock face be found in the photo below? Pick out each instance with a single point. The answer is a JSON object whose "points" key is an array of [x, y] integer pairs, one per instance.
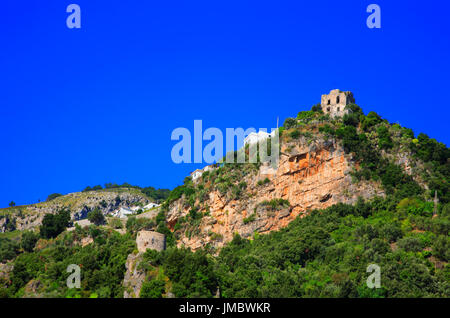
{"points": [[309, 177]]}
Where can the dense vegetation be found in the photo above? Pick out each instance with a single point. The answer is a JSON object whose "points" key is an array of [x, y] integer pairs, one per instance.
{"points": [[325, 254], [102, 265]]}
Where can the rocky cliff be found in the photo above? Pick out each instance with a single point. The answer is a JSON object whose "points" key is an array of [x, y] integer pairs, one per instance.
{"points": [[79, 204], [309, 175], [134, 276]]}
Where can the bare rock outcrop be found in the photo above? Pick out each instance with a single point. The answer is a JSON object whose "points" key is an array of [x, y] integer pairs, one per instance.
{"points": [[79, 204], [134, 276], [309, 176]]}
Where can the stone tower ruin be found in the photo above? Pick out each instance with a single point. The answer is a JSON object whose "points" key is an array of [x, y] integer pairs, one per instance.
{"points": [[334, 103], [152, 240]]}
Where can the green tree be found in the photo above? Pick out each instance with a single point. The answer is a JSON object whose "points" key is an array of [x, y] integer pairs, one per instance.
{"points": [[410, 244], [290, 123], [8, 249], [96, 216], [295, 134], [317, 108], [12, 204], [370, 120], [384, 138], [441, 248], [28, 241], [54, 224], [154, 288]]}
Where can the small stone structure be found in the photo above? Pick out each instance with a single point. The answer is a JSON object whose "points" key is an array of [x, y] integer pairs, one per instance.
{"points": [[334, 103], [152, 240]]}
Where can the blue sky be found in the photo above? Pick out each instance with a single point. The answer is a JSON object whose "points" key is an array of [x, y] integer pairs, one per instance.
{"points": [[98, 104]]}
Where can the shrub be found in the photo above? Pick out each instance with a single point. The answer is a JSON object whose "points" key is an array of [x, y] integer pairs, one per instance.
{"points": [[306, 116], [134, 224], [115, 223], [317, 108], [295, 134], [8, 249], [154, 288], [326, 129], [192, 273], [54, 224], [370, 120], [410, 244], [28, 240], [276, 204], [415, 206], [250, 218], [391, 232], [290, 123], [262, 182], [96, 216], [384, 138], [441, 248]]}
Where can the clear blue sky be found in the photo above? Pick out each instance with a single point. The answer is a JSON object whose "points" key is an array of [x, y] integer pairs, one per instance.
{"points": [[96, 105]]}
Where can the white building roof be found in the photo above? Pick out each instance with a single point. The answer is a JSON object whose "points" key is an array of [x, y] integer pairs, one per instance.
{"points": [[151, 205], [254, 137]]}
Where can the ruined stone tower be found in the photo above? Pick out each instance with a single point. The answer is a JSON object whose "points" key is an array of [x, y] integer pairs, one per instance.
{"points": [[152, 240], [334, 103]]}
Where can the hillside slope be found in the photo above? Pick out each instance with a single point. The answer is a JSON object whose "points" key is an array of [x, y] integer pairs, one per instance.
{"points": [[79, 204], [347, 192], [323, 161]]}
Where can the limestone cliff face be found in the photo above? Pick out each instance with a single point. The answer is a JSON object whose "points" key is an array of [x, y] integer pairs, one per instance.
{"points": [[79, 204], [134, 276], [310, 177]]}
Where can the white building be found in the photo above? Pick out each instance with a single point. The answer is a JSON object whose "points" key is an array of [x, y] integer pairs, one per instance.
{"points": [[196, 174], [151, 205], [124, 212], [257, 137]]}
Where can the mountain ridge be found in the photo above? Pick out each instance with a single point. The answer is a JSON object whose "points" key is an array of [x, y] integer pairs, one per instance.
{"points": [[348, 191]]}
